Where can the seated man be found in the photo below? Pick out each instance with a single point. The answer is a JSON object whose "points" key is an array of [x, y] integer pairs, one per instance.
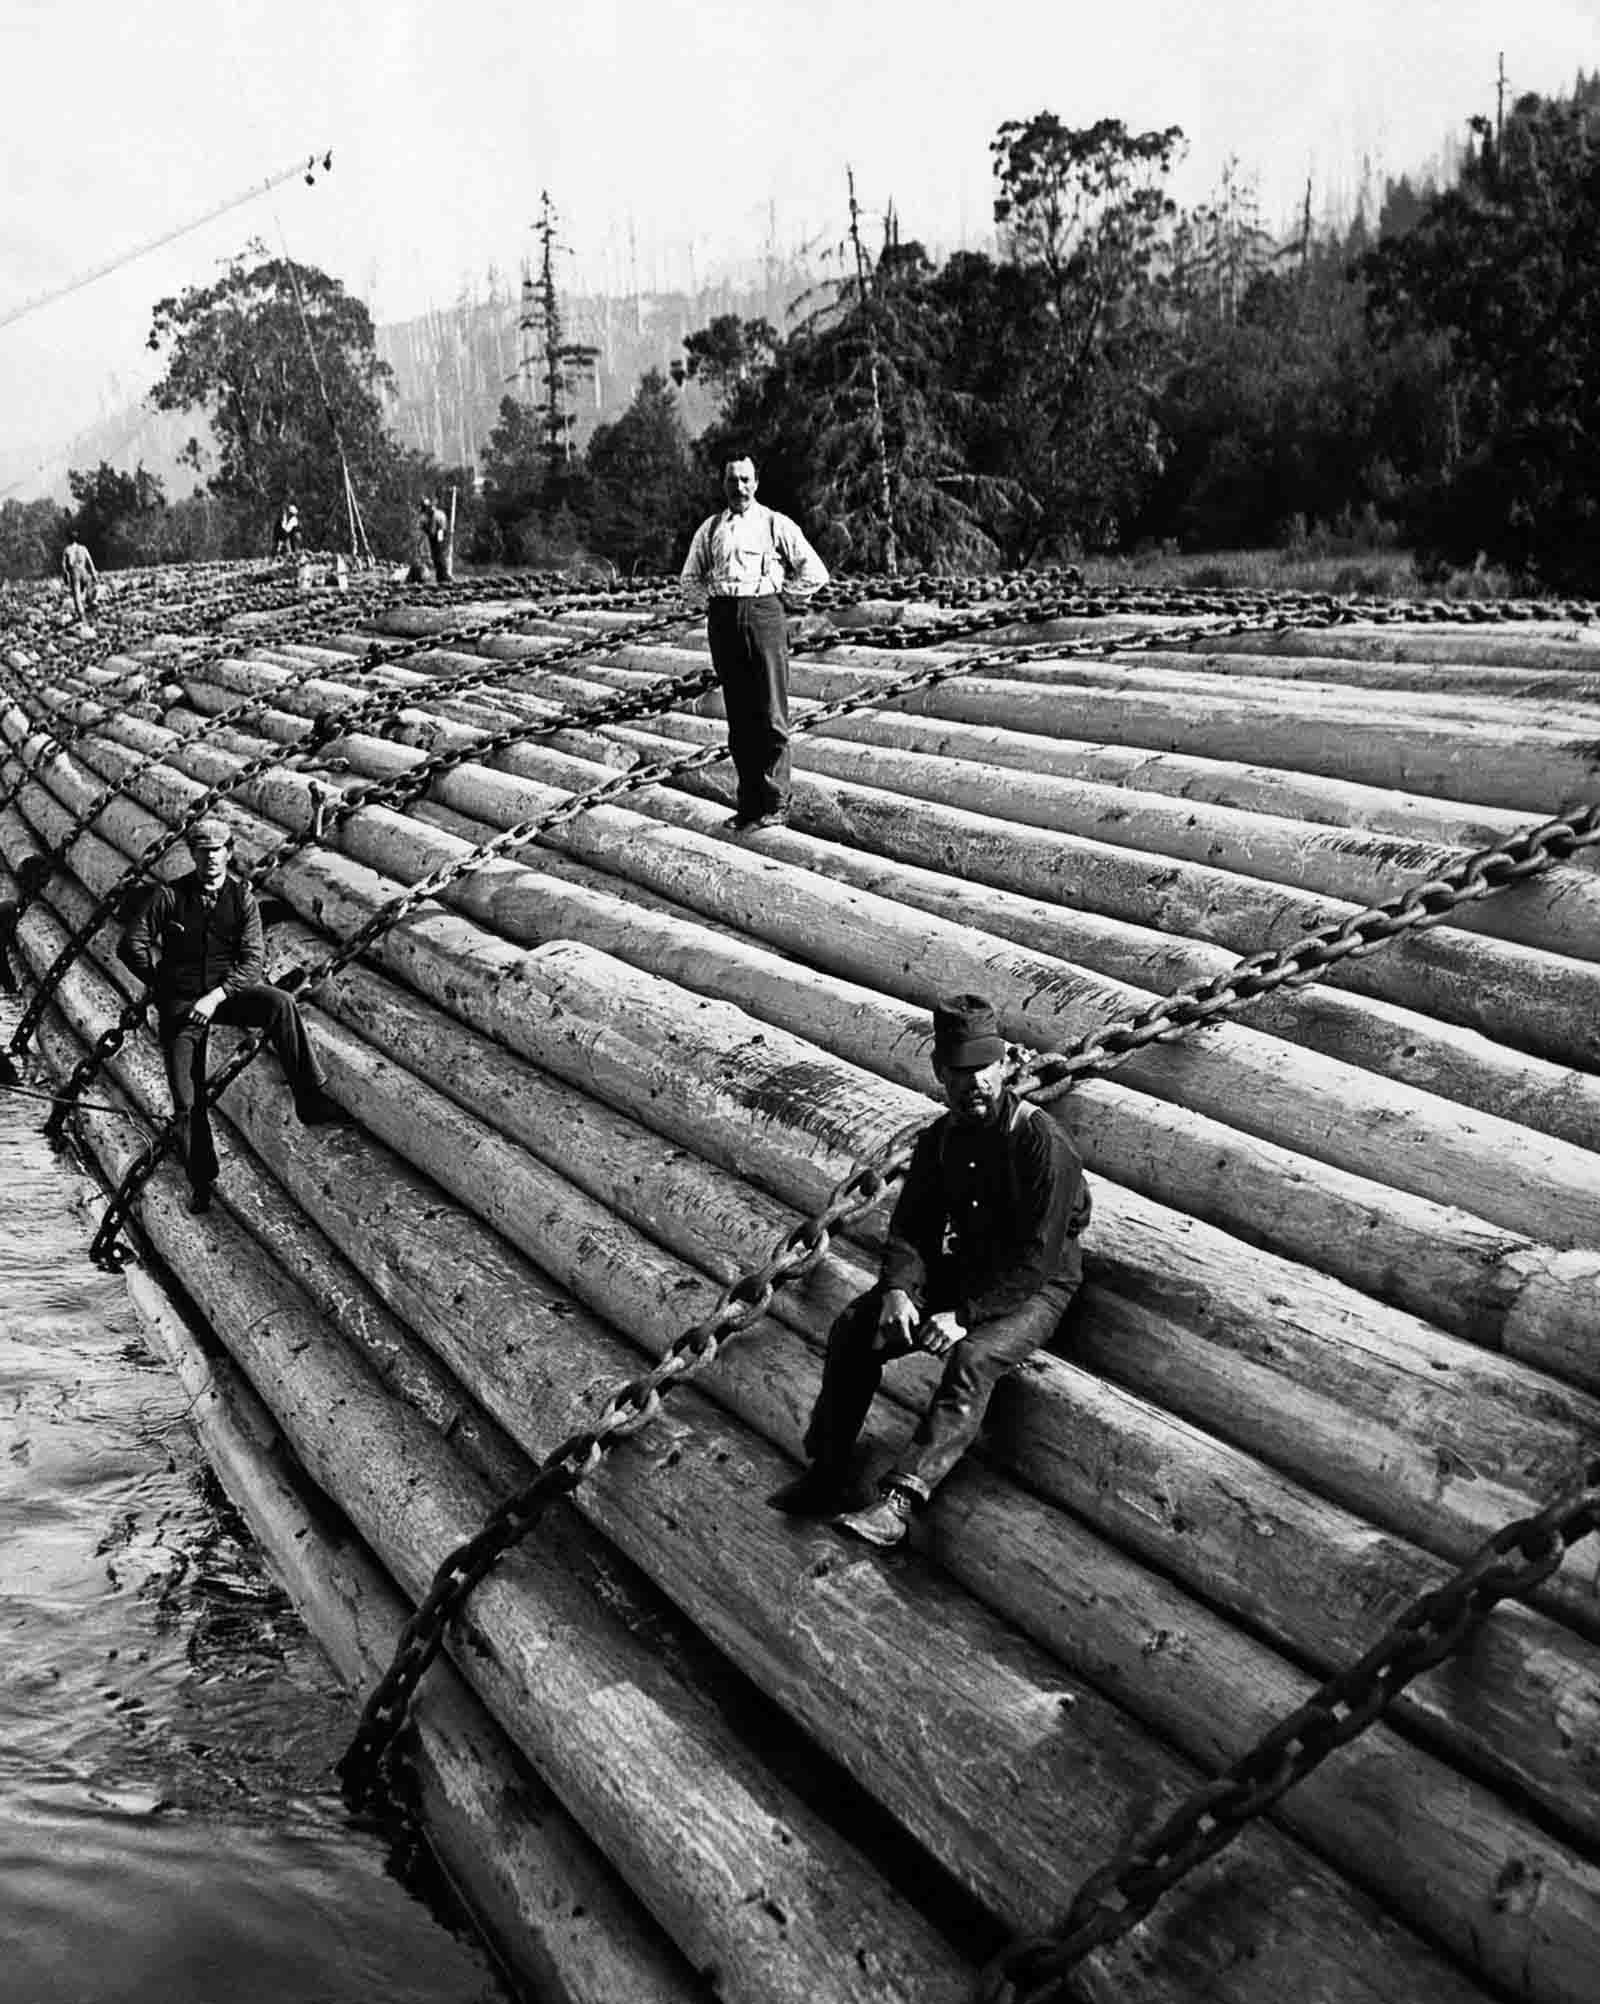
{"points": [[979, 1265], [198, 946]]}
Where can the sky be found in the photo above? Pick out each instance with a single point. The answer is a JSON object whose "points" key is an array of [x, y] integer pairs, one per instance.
{"points": [[674, 139]]}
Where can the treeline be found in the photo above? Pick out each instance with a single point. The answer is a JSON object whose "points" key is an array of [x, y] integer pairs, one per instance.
{"points": [[1118, 374], [1122, 374]]}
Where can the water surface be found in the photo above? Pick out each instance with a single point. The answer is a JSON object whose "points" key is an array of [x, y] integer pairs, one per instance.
{"points": [[169, 1828]]}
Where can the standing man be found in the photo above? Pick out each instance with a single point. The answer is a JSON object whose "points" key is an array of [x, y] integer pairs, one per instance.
{"points": [[81, 578], [436, 529], [286, 536], [741, 564], [198, 946], [979, 1265]]}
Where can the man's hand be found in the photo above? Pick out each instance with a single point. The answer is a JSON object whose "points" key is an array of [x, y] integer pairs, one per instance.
{"points": [[940, 1333], [897, 1318], [207, 1006]]}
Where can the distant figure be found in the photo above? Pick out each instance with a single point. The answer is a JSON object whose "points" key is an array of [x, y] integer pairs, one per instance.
{"points": [[198, 946], [979, 1265], [286, 535], [742, 564], [81, 579], [436, 531]]}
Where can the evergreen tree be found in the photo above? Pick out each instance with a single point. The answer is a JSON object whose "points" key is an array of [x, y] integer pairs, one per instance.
{"points": [[643, 495], [1502, 273]]}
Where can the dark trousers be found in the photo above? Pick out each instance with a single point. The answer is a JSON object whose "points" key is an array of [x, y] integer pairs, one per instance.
{"points": [[750, 651], [857, 1353], [439, 550], [184, 1043]]}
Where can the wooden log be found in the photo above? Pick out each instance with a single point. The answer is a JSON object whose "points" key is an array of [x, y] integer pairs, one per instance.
{"points": [[1570, 676], [715, 1222], [1526, 768], [1536, 999], [1225, 1522], [1167, 672], [556, 1913], [685, 1506], [693, 1822], [626, 1281], [1444, 1058], [1480, 1453], [1558, 912], [1446, 1150], [1560, 645], [1312, 1927], [1155, 1251]]}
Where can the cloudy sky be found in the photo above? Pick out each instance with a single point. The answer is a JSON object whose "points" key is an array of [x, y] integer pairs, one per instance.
{"points": [[692, 128]]}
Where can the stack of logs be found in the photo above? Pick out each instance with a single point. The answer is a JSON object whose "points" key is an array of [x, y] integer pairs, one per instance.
{"points": [[1340, 1319]]}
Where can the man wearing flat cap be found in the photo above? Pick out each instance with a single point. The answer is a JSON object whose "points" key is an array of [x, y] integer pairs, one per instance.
{"points": [[979, 1265], [198, 946]]}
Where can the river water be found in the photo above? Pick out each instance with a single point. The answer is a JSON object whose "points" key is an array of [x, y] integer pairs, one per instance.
{"points": [[169, 1829]]}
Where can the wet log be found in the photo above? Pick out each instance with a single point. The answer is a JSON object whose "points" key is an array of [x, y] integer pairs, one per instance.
{"points": [[1387, 1792], [1438, 1500], [1212, 1515], [1547, 671], [692, 1821], [549, 1902], [1312, 1928]]}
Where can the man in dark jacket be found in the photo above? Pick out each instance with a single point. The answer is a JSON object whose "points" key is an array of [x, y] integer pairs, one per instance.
{"points": [[198, 945], [978, 1268]]}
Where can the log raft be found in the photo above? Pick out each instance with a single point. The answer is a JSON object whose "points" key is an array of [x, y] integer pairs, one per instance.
{"points": [[1339, 1321]]}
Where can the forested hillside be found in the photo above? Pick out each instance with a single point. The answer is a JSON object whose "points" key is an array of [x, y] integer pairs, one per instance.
{"points": [[1117, 373]]}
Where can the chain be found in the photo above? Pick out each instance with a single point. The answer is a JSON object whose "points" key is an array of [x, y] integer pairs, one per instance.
{"points": [[1114, 1899], [1043, 1078], [1525, 854], [622, 708], [630, 1407], [105, 1251], [310, 752]]}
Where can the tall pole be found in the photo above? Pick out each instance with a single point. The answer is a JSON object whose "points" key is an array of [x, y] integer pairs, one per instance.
{"points": [[869, 320]]}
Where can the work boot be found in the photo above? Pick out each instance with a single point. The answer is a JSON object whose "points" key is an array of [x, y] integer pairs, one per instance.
{"points": [[317, 1108], [199, 1198], [748, 824], [884, 1522], [818, 1492]]}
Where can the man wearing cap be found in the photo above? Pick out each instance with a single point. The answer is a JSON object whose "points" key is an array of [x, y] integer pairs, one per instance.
{"points": [[198, 946], [742, 565], [979, 1265]]}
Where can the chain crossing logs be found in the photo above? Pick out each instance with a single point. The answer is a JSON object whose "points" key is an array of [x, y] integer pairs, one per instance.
{"points": [[302, 980], [1043, 1077]]}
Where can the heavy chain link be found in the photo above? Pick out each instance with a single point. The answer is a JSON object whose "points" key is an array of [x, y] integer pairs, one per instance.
{"points": [[105, 1250], [1043, 1077], [1114, 1899], [311, 752], [1050, 1073], [630, 1407]]}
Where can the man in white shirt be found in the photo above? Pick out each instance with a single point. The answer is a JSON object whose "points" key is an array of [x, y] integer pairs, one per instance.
{"points": [[742, 564]]}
